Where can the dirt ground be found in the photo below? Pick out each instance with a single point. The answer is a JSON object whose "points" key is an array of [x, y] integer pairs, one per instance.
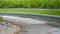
{"points": [[8, 28]]}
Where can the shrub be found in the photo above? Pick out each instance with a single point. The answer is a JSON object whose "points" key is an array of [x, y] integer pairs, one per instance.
{"points": [[30, 4]]}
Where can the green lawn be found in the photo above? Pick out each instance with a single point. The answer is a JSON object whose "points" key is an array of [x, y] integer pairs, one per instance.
{"points": [[50, 12]]}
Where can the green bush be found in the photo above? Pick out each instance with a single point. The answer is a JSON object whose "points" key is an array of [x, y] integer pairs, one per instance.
{"points": [[1, 19], [30, 4]]}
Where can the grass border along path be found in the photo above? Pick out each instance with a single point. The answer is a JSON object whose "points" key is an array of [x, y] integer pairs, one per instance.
{"points": [[33, 11]]}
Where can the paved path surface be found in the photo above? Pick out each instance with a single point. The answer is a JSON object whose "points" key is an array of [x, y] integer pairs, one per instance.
{"points": [[29, 29], [41, 29]]}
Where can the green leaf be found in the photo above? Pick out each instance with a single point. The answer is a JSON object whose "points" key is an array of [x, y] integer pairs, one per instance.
{"points": [[1, 19]]}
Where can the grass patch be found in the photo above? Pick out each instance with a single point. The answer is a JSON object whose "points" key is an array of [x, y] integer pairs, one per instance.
{"points": [[50, 12], [30, 4]]}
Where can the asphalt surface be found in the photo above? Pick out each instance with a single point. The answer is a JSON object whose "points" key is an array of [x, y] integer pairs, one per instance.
{"points": [[41, 29]]}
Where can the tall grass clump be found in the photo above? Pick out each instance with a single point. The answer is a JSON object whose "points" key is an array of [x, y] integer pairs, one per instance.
{"points": [[30, 4]]}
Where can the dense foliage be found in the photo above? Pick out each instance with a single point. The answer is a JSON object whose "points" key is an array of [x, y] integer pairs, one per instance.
{"points": [[30, 4]]}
